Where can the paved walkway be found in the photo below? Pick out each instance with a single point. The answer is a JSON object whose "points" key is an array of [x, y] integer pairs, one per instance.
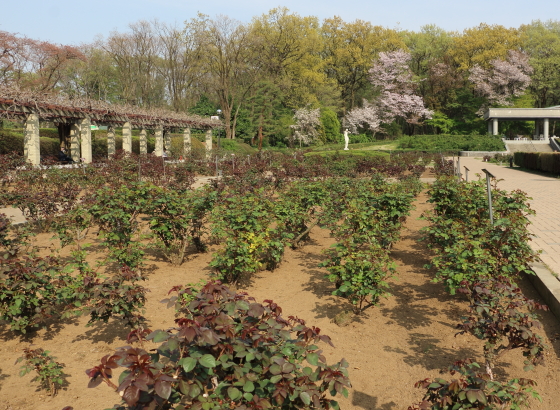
{"points": [[545, 194]]}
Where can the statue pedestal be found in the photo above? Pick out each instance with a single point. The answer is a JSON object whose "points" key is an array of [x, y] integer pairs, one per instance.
{"points": [[346, 149]]}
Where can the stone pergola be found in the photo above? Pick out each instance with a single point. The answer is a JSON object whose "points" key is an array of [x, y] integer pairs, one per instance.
{"points": [[79, 119], [539, 115]]}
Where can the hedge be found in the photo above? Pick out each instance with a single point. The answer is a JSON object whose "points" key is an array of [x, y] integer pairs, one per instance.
{"points": [[13, 142], [452, 143], [538, 161]]}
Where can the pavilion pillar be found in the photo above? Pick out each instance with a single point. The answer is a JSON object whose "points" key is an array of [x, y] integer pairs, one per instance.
{"points": [[85, 140], [187, 141], [32, 142], [494, 126], [75, 142], [489, 127], [127, 137], [208, 143], [545, 128], [159, 141], [110, 140], [143, 142]]}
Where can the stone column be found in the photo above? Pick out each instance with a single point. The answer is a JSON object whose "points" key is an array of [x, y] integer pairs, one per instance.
{"points": [[127, 137], [187, 141], [110, 140], [31, 141], [489, 127], [85, 140], [208, 143], [545, 128], [159, 141], [143, 142], [75, 142], [495, 126]]}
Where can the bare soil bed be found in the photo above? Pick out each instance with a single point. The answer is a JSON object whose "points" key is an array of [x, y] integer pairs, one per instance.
{"points": [[407, 337]]}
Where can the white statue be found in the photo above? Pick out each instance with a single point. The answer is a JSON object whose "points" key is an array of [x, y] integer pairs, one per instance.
{"points": [[346, 140]]}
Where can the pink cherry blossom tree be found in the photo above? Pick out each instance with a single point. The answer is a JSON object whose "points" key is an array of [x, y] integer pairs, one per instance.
{"points": [[503, 81], [395, 83], [306, 128]]}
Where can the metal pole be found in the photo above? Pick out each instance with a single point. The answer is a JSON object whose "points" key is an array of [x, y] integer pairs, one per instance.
{"points": [[466, 174], [458, 167], [489, 190]]}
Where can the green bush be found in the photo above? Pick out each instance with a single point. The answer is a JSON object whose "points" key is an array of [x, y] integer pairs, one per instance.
{"points": [[452, 143], [361, 139], [49, 133], [11, 141], [538, 161], [331, 125]]}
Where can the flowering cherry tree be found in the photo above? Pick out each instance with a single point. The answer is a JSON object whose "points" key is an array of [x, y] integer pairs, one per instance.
{"points": [[504, 80], [306, 128], [393, 78]]}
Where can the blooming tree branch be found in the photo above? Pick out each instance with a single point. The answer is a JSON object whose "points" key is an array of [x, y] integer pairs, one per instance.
{"points": [[306, 128], [503, 81], [393, 78]]}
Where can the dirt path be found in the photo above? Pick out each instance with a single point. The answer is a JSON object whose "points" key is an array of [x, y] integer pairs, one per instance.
{"points": [[408, 337]]}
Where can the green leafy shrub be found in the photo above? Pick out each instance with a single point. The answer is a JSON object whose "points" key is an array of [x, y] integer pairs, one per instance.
{"points": [[116, 210], [178, 219], [452, 143], [227, 351], [360, 272], [244, 221], [504, 318], [49, 372], [473, 389], [466, 246], [31, 290]]}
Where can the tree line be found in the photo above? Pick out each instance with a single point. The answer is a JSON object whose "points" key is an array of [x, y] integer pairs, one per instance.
{"points": [[272, 77]]}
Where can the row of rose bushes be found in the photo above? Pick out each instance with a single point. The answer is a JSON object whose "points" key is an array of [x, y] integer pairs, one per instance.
{"points": [[482, 261]]}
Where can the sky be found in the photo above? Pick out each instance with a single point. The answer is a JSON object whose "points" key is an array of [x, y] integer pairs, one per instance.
{"points": [[74, 22]]}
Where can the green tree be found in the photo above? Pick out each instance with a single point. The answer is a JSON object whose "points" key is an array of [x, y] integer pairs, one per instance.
{"points": [[482, 44], [331, 125], [348, 52], [541, 40], [288, 49], [204, 107]]}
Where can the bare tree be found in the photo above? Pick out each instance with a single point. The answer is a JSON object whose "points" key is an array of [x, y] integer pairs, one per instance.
{"points": [[232, 70], [180, 62]]}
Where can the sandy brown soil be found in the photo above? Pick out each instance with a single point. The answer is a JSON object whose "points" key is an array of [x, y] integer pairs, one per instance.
{"points": [[409, 336]]}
